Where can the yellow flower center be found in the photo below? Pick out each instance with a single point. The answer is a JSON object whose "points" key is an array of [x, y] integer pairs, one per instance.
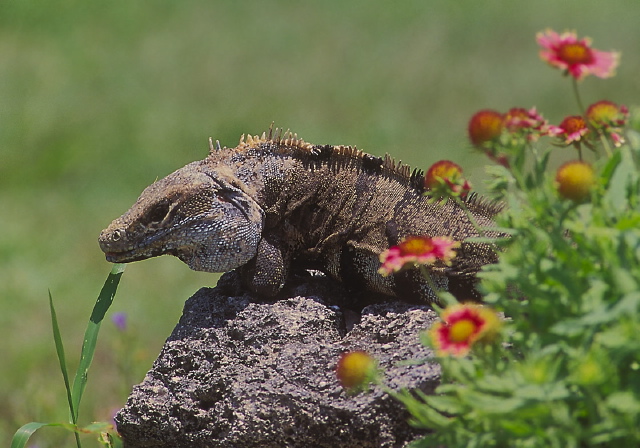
{"points": [[603, 112], [575, 53], [517, 112], [416, 246], [462, 330], [446, 171]]}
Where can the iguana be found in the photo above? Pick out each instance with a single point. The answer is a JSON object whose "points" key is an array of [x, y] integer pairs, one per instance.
{"points": [[276, 203]]}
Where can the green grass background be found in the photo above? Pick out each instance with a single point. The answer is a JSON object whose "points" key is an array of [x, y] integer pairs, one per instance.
{"points": [[98, 99]]}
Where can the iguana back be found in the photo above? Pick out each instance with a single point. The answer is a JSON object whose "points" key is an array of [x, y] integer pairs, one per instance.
{"points": [[275, 202]]}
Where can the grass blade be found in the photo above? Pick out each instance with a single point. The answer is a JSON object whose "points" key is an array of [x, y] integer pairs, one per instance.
{"points": [[22, 435], [105, 298], [61, 358]]}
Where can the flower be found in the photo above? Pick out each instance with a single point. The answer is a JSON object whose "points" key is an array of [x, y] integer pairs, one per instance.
{"points": [[485, 126], [574, 180], [120, 320], [607, 113], [529, 122], [355, 369], [444, 179], [607, 117], [462, 326], [566, 52], [574, 128], [417, 250]]}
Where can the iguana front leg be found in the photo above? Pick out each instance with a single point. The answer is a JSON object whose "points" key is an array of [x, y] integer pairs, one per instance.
{"points": [[267, 273]]}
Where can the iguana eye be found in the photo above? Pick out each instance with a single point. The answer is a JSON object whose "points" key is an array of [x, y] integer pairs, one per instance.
{"points": [[158, 212]]}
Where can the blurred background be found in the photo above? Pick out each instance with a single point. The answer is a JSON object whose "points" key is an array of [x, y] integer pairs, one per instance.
{"points": [[97, 100]]}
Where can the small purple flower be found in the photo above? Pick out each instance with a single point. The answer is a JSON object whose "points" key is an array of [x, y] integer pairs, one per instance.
{"points": [[120, 320]]}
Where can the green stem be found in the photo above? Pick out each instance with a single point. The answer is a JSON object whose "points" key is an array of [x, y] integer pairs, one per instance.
{"points": [[470, 217], [579, 151], [425, 273], [605, 145], [583, 111]]}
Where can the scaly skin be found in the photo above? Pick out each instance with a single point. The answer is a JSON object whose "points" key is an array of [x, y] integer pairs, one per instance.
{"points": [[272, 203]]}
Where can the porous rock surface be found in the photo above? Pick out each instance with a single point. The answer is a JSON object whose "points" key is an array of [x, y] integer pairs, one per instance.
{"points": [[237, 372]]}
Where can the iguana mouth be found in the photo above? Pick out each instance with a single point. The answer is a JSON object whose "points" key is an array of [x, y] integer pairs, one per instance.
{"points": [[129, 256], [123, 257]]}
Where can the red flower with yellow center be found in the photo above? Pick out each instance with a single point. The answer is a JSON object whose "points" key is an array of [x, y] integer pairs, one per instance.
{"points": [[444, 178], [566, 52], [576, 53], [485, 126], [574, 180], [462, 326], [574, 128], [607, 117], [603, 112], [417, 250], [607, 113], [444, 169]]}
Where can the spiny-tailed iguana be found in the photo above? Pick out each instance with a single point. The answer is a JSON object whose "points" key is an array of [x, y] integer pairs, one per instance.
{"points": [[275, 202]]}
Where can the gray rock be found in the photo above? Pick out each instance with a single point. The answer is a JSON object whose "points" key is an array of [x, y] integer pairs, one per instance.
{"points": [[237, 372]]}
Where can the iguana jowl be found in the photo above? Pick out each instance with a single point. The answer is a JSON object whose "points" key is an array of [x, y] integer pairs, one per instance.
{"points": [[275, 202]]}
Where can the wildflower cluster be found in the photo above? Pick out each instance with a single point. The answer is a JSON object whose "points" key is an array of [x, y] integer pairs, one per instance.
{"points": [[561, 367], [502, 136]]}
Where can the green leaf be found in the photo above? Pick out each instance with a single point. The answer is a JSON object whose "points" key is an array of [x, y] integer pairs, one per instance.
{"points": [[57, 338], [423, 416], [625, 173], [444, 404], [493, 404], [22, 435], [624, 402], [517, 427], [610, 167], [91, 334]]}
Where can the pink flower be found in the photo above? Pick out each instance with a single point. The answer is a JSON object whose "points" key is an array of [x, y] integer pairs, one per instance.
{"points": [[566, 52], [462, 326], [417, 250]]}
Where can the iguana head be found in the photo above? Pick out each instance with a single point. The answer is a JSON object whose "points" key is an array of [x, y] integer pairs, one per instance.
{"points": [[204, 217]]}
